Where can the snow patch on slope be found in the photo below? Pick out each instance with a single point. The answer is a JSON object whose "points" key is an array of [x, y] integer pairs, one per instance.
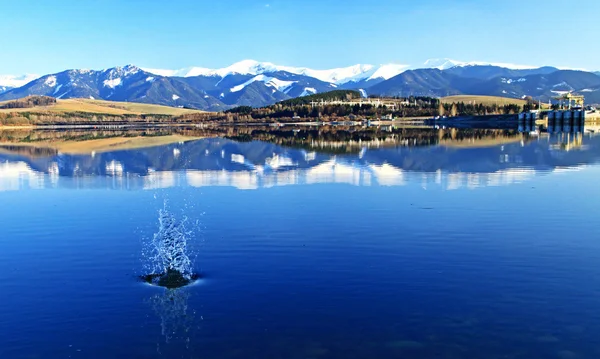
{"points": [[562, 84], [50, 81], [112, 83], [308, 91], [57, 89], [510, 81], [277, 84]]}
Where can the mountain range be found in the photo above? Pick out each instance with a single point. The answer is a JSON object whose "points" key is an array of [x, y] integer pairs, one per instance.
{"points": [[252, 83]]}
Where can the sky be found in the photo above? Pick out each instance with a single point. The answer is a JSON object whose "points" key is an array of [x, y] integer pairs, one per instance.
{"points": [[41, 36]]}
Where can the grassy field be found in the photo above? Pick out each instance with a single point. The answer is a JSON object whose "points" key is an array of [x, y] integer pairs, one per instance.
{"points": [[105, 107], [485, 100]]}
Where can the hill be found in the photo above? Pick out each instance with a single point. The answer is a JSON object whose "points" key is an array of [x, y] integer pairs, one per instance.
{"points": [[484, 100], [438, 83], [99, 107], [205, 92], [338, 95]]}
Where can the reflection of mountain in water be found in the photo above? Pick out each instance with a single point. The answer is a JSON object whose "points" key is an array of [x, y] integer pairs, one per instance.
{"points": [[247, 165]]}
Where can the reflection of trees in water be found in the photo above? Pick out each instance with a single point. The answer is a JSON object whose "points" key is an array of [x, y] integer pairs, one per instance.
{"points": [[86, 134], [326, 139], [28, 151], [177, 319], [351, 139]]}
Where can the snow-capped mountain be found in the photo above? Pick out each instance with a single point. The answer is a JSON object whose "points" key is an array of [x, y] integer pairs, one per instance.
{"points": [[253, 83], [338, 76], [543, 84], [445, 64], [359, 73], [212, 91]]}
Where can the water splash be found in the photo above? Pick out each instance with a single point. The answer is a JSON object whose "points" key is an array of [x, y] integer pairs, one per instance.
{"points": [[170, 244], [168, 261]]}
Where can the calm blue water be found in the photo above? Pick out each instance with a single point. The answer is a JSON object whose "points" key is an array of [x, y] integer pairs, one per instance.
{"points": [[428, 252]]}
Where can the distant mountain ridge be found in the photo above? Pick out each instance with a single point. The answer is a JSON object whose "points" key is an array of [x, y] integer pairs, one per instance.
{"points": [[256, 84], [338, 76], [543, 85]]}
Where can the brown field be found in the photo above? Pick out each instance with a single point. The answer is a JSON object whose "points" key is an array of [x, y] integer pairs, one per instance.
{"points": [[104, 107]]}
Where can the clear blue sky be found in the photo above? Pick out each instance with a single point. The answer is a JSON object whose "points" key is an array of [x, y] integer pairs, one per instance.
{"points": [[42, 36]]}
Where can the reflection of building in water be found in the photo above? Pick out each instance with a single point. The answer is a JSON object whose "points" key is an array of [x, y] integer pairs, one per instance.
{"points": [[567, 141]]}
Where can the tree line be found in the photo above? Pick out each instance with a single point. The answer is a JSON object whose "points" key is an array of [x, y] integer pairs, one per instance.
{"points": [[28, 102], [405, 108]]}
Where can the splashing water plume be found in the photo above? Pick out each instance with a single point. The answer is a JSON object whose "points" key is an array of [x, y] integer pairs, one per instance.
{"points": [[170, 243], [170, 264]]}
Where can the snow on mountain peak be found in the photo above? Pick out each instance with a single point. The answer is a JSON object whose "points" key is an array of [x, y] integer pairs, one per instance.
{"points": [[184, 72], [388, 71], [337, 76], [123, 71], [444, 64], [252, 67], [128, 70], [246, 67]]}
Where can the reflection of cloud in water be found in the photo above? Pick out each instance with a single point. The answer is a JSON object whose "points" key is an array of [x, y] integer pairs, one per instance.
{"points": [[258, 164], [278, 161], [114, 168], [238, 159], [238, 179], [157, 180], [388, 175], [15, 176]]}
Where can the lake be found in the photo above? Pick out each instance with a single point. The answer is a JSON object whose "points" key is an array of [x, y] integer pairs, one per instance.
{"points": [[405, 243]]}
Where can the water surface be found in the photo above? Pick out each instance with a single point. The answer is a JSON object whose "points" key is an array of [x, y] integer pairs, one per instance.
{"points": [[454, 249]]}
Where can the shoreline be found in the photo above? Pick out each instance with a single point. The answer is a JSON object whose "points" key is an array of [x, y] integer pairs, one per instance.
{"points": [[345, 121]]}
